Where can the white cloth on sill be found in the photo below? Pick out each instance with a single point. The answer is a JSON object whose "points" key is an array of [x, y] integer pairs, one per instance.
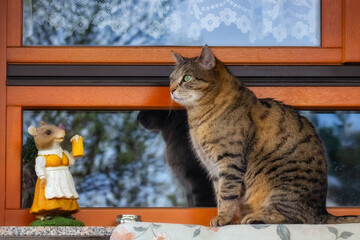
{"points": [[166, 231]]}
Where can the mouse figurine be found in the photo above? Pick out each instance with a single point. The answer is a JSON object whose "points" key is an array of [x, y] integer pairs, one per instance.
{"points": [[55, 193]]}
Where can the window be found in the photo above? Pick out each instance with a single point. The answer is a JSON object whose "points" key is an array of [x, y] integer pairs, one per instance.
{"points": [[126, 165], [339, 45], [330, 51], [340, 134], [174, 22]]}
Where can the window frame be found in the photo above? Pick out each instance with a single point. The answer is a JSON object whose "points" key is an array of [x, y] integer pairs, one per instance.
{"points": [[22, 97], [340, 37], [330, 51]]}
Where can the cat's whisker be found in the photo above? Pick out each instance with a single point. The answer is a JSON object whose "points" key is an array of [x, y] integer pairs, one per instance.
{"points": [[171, 107]]}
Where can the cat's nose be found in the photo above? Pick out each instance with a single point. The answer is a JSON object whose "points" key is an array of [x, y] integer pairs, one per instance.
{"points": [[172, 90]]}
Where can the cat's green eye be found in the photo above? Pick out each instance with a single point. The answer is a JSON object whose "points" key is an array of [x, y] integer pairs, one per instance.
{"points": [[186, 78]]}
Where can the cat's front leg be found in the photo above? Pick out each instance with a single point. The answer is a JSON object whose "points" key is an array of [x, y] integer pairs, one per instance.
{"points": [[228, 191]]}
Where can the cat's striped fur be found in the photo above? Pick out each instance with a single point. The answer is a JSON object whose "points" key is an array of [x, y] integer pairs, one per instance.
{"points": [[266, 161]]}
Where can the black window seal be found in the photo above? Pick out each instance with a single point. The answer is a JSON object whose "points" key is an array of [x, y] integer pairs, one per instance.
{"points": [[158, 75]]}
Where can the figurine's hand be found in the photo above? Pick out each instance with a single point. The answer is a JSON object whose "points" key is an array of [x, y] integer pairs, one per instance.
{"points": [[43, 182], [76, 138]]}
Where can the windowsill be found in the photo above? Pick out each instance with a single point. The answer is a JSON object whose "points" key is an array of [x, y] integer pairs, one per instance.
{"points": [[55, 232]]}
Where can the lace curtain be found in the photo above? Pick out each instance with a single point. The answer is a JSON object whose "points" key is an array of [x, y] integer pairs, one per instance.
{"points": [[172, 22]]}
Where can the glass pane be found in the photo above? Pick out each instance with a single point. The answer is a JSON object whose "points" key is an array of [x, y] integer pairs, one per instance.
{"points": [[124, 164], [127, 165], [172, 22], [340, 133]]}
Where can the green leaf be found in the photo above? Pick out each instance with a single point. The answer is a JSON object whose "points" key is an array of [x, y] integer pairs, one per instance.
{"points": [[189, 225], [156, 226], [261, 226], [283, 232], [197, 232], [333, 230], [345, 235], [140, 229]]}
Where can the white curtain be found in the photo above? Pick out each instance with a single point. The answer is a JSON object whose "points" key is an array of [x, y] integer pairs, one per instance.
{"points": [[172, 22]]}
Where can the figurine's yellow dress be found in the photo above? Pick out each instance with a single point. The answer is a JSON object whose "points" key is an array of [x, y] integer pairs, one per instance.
{"points": [[59, 196]]}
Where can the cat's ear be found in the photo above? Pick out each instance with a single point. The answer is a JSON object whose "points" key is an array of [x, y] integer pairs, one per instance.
{"points": [[177, 57], [207, 59]]}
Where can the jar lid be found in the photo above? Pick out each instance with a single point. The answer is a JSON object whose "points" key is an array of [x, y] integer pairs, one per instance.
{"points": [[124, 218]]}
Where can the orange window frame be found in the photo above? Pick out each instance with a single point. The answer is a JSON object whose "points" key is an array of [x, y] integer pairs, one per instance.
{"points": [[340, 38]]}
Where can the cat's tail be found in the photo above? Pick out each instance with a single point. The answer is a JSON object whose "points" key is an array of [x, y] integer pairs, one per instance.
{"points": [[331, 219]]}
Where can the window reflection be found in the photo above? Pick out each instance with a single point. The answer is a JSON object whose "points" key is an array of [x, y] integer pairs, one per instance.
{"points": [[180, 156], [340, 133], [133, 158], [124, 164]]}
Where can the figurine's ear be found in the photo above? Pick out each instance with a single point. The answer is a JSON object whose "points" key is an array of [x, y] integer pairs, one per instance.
{"points": [[207, 59], [177, 57], [42, 123], [32, 130]]}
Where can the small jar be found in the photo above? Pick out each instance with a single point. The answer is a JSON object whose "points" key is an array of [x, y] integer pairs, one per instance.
{"points": [[125, 218]]}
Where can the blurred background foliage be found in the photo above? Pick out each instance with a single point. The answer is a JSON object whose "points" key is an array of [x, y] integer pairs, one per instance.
{"points": [[340, 133], [124, 164]]}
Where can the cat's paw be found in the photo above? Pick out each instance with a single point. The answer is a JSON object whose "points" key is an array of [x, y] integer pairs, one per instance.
{"points": [[252, 219], [219, 221]]}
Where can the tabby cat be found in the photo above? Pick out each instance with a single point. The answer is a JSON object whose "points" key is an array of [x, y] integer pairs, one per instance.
{"points": [[266, 161], [180, 156]]}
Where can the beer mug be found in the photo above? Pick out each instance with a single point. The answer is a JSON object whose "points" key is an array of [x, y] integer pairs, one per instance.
{"points": [[77, 146]]}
